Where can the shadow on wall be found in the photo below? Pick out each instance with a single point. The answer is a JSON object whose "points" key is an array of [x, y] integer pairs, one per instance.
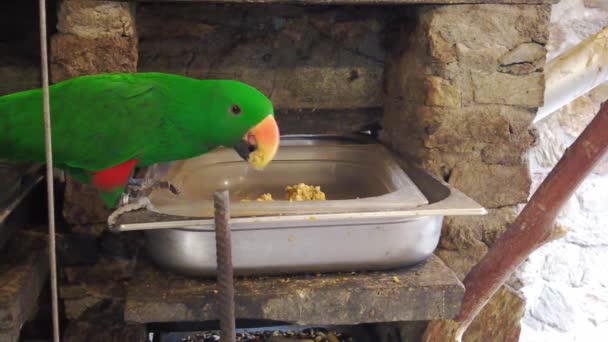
{"points": [[303, 57], [20, 44]]}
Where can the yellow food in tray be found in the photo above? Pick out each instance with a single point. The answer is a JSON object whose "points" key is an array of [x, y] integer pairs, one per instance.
{"points": [[303, 192], [264, 197], [298, 192]]}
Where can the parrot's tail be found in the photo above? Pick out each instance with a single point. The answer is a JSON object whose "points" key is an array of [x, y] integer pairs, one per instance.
{"points": [[22, 126]]}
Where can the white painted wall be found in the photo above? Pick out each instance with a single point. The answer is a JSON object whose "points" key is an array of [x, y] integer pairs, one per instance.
{"points": [[566, 281]]}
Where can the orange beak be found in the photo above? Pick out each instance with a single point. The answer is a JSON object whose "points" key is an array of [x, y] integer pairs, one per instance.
{"points": [[260, 144]]}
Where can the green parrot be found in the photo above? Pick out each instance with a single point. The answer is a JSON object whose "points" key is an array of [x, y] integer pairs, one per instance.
{"points": [[105, 125]]}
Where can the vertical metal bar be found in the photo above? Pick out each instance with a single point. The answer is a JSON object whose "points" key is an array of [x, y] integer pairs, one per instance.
{"points": [[49, 166], [225, 278]]}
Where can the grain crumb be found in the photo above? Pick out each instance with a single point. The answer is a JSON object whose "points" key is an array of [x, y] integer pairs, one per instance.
{"points": [[304, 192], [297, 192], [256, 158], [264, 197]]}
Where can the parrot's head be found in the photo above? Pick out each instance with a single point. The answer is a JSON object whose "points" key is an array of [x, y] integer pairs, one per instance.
{"points": [[245, 121]]}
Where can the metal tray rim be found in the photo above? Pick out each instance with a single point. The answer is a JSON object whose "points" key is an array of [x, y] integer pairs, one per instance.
{"points": [[455, 203], [384, 202]]}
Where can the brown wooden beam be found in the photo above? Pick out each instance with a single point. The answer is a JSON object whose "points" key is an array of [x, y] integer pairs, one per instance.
{"points": [[532, 228]]}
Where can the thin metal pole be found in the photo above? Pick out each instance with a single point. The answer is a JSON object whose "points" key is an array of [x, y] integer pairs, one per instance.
{"points": [[225, 277], [49, 166]]}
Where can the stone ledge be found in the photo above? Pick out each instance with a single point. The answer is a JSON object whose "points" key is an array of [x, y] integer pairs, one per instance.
{"points": [[103, 322], [23, 272], [10, 335], [364, 2], [427, 291]]}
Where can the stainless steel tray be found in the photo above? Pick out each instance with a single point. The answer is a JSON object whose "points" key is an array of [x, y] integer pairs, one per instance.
{"points": [[345, 234], [355, 178]]}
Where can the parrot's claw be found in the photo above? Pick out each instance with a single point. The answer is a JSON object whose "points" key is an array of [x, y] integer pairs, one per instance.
{"points": [[170, 187], [137, 181], [143, 187], [173, 189], [140, 203]]}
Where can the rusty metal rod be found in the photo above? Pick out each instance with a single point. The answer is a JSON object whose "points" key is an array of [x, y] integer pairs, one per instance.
{"points": [[532, 228], [225, 277]]}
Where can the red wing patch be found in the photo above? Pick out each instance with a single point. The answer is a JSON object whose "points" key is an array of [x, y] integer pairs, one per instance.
{"points": [[114, 177]]}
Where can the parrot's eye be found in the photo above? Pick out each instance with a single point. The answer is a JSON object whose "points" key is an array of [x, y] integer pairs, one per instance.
{"points": [[235, 109]]}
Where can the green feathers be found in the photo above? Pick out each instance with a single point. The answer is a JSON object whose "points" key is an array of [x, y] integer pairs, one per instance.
{"points": [[101, 121]]}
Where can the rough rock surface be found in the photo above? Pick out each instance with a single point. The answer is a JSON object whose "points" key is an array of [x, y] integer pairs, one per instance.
{"points": [[565, 281], [500, 319], [93, 37], [422, 292], [81, 204], [94, 19], [482, 67], [574, 20], [16, 74], [465, 240], [308, 60], [103, 322], [23, 272], [86, 286], [327, 121], [76, 56]]}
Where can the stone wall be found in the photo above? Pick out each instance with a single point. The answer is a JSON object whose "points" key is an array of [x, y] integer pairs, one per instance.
{"points": [[321, 67], [93, 37], [565, 281], [462, 84]]}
